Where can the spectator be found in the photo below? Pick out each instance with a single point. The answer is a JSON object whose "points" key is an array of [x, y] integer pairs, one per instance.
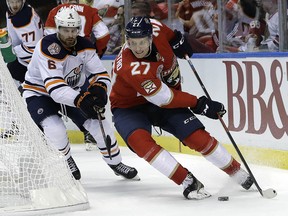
{"points": [[255, 37], [143, 9], [107, 9], [184, 13], [272, 19], [234, 32], [200, 22], [116, 33], [159, 9], [88, 2], [250, 36]]}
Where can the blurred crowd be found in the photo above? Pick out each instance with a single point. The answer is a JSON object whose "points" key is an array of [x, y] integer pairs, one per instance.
{"points": [[245, 25]]}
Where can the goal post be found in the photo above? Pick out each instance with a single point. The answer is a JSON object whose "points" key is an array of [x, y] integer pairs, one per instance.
{"points": [[34, 177]]}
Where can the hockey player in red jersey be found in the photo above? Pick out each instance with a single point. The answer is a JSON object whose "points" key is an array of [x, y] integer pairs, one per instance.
{"points": [[59, 68], [147, 93], [91, 23]]}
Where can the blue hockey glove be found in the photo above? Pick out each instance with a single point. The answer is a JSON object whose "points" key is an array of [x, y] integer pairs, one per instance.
{"points": [[99, 92], [180, 45], [209, 108]]}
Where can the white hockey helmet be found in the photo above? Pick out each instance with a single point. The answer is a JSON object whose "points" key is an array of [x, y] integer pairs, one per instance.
{"points": [[9, 7], [70, 1], [67, 17]]}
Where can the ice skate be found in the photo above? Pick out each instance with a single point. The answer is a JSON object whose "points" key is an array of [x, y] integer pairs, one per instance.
{"points": [[193, 188], [125, 171], [243, 179], [90, 142], [73, 167]]}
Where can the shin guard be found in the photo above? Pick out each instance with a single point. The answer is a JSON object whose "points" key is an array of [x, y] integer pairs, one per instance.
{"points": [[212, 150], [145, 147]]}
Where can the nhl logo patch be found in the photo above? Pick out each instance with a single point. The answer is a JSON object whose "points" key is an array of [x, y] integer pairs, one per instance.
{"points": [[54, 49]]}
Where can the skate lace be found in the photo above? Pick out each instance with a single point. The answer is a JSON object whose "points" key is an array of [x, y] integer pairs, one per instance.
{"points": [[121, 168], [72, 165]]}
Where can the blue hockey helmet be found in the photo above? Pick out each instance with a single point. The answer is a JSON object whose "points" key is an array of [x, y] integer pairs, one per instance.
{"points": [[139, 27]]}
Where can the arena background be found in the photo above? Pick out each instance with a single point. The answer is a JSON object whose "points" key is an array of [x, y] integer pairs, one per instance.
{"points": [[41, 7]]}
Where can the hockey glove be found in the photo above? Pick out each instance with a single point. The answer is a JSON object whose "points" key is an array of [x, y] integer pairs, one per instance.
{"points": [[99, 92], [180, 45], [209, 108], [85, 102]]}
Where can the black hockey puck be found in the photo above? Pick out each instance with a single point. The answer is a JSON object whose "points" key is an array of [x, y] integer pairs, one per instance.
{"points": [[223, 198]]}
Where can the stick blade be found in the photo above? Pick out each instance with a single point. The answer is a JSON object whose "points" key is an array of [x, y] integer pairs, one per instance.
{"points": [[269, 193]]}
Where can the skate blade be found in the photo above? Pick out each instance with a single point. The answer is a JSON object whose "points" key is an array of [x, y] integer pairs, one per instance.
{"points": [[201, 194], [135, 178], [91, 147]]}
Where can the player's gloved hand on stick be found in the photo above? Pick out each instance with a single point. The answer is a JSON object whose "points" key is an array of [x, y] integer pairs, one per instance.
{"points": [[180, 45], [99, 92], [209, 108], [86, 102]]}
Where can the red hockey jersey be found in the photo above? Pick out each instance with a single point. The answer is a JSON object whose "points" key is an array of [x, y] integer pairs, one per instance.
{"points": [[149, 79]]}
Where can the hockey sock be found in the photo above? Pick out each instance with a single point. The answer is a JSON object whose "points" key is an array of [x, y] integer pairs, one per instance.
{"points": [[212, 150], [145, 147], [92, 125], [55, 131]]}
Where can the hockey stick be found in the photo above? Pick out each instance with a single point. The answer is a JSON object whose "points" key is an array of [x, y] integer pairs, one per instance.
{"points": [[107, 138], [269, 193]]}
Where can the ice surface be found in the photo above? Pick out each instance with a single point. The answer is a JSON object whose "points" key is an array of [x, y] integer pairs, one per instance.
{"points": [[155, 195]]}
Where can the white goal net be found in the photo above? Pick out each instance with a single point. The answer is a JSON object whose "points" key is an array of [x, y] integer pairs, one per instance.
{"points": [[34, 177]]}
